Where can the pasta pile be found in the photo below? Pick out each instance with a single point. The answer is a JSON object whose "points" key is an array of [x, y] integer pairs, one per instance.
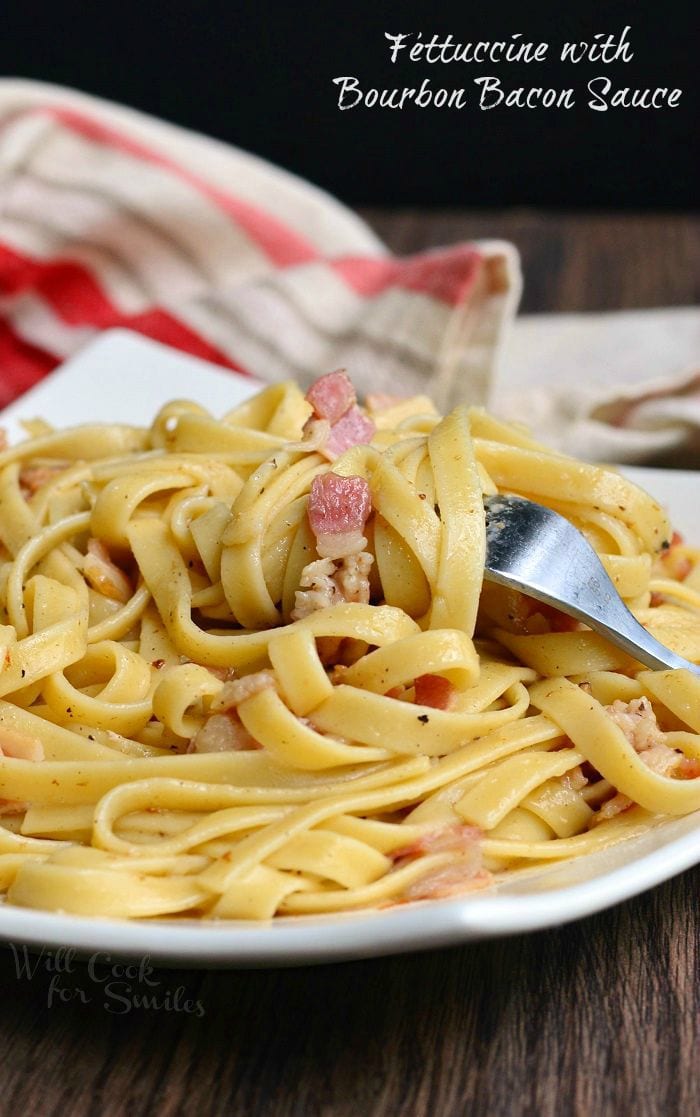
{"points": [[208, 707]]}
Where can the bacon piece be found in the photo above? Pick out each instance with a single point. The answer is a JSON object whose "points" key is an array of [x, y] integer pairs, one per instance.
{"points": [[435, 691], [338, 506], [34, 477], [612, 807], [678, 565], [453, 836], [332, 395], [352, 577], [338, 509], [12, 806], [104, 575], [318, 590], [353, 429], [325, 583], [689, 768], [223, 733], [637, 721], [19, 745], [236, 691], [449, 881], [462, 875]]}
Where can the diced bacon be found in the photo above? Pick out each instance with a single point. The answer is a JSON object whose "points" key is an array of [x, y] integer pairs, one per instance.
{"points": [[338, 506], [677, 564], [236, 691], [689, 768], [448, 881], [223, 733], [332, 395], [326, 582], [34, 477], [12, 806], [637, 721], [334, 401], [318, 590], [352, 577], [353, 429], [611, 808], [661, 759], [340, 546], [452, 837], [103, 574], [435, 691], [338, 509], [460, 876], [19, 745]]}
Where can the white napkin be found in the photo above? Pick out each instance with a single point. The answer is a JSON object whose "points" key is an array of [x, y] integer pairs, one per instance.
{"points": [[621, 386]]}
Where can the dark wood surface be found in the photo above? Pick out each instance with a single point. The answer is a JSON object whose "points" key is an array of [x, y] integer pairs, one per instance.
{"points": [[600, 1017]]}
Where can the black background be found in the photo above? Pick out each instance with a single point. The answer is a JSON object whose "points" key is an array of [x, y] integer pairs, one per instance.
{"points": [[260, 75]]}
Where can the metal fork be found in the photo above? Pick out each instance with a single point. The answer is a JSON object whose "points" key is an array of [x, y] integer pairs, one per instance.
{"points": [[531, 548]]}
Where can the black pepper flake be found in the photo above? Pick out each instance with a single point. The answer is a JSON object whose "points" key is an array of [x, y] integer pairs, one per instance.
{"points": [[423, 719]]}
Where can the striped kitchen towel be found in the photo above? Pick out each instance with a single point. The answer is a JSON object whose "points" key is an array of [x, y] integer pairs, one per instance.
{"points": [[111, 218]]}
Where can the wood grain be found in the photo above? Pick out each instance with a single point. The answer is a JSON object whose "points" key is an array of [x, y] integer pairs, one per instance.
{"points": [[597, 1018]]}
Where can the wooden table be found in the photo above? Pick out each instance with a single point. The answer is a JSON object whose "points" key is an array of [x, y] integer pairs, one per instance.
{"points": [[598, 1018]]}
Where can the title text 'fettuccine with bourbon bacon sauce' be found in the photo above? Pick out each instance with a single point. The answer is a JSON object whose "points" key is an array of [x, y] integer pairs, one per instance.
{"points": [[249, 667]]}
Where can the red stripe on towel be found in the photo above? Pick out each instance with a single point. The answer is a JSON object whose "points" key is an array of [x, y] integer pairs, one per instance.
{"points": [[283, 246], [448, 274], [21, 365], [77, 298]]}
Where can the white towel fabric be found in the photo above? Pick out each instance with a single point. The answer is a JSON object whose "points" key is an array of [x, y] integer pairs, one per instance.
{"points": [[616, 387]]}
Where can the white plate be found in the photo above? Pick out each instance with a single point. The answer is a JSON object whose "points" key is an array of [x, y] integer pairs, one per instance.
{"points": [[122, 377]]}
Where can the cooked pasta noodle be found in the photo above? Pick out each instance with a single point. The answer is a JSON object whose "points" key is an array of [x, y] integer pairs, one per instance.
{"points": [[249, 668]]}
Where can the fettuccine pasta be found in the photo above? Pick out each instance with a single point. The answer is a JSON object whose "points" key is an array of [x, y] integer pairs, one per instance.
{"points": [[250, 667]]}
